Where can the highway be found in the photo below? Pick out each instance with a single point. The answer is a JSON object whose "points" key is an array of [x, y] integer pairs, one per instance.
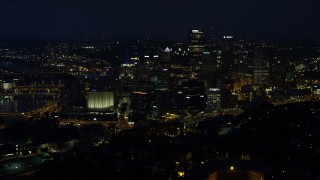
{"points": [[202, 117], [78, 122], [294, 100]]}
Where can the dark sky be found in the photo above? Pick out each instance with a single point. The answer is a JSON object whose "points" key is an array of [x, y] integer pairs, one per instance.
{"points": [[161, 19]]}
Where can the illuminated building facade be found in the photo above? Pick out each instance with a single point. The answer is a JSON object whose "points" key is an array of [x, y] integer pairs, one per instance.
{"points": [[213, 100], [126, 71], [6, 85], [100, 101]]}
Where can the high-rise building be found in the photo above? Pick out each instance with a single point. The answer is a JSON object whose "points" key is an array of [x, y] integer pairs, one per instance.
{"points": [[213, 100], [261, 67], [208, 71], [196, 45], [167, 54], [227, 55]]}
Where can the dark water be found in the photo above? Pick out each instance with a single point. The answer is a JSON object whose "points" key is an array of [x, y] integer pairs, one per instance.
{"points": [[14, 65], [23, 104]]}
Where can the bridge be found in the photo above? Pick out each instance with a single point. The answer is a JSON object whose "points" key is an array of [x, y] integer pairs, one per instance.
{"points": [[37, 90]]}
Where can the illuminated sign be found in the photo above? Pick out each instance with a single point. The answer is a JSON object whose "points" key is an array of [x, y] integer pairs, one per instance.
{"points": [[214, 89], [227, 37], [127, 65], [135, 58], [88, 47], [139, 92]]}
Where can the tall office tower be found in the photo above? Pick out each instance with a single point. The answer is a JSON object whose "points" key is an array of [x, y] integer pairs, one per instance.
{"points": [[261, 67], [279, 68], [210, 39], [196, 46], [167, 54], [227, 55], [213, 100], [209, 69]]}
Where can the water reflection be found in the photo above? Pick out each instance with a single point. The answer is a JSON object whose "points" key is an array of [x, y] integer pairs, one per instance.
{"points": [[23, 103]]}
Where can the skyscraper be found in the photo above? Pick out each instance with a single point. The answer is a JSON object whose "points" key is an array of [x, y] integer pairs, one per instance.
{"points": [[213, 100], [227, 55], [196, 46], [167, 54], [261, 67]]}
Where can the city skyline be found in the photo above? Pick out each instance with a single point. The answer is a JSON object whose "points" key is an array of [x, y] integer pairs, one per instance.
{"points": [[148, 109], [208, 89], [164, 20]]}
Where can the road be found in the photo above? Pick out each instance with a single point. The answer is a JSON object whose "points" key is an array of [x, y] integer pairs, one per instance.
{"points": [[78, 122], [294, 100], [204, 116]]}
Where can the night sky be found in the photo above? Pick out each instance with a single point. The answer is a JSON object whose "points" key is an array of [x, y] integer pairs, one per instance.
{"points": [[160, 19]]}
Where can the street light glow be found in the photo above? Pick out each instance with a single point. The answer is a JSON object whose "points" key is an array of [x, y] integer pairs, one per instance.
{"points": [[231, 168]]}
